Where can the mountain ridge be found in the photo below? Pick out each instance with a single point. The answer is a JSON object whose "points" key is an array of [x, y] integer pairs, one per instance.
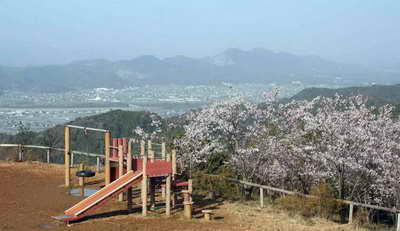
{"points": [[257, 65]]}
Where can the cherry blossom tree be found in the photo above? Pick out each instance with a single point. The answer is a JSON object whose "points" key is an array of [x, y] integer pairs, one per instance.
{"points": [[338, 141]]}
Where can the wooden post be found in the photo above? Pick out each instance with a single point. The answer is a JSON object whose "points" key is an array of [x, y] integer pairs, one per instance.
{"points": [[48, 156], [130, 143], [129, 168], [168, 196], [190, 188], [163, 157], [120, 168], [152, 195], [150, 151], [173, 160], [72, 160], [168, 192], [398, 222], [144, 187], [151, 156], [163, 150], [81, 179], [190, 185], [107, 140], [351, 213], [163, 191], [261, 197], [173, 163], [67, 156], [19, 152], [98, 164], [187, 209], [187, 204], [142, 147], [125, 145], [114, 152]]}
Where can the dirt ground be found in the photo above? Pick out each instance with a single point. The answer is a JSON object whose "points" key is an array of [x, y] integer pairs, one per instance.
{"points": [[30, 193]]}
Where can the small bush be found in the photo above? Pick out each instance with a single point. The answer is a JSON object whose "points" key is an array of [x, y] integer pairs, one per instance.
{"points": [[321, 205], [217, 184], [362, 217]]}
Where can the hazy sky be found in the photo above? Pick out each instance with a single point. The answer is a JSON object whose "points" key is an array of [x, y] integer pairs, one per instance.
{"points": [[36, 32]]}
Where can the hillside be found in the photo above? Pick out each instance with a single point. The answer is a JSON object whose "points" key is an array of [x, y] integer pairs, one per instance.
{"points": [[120, 123], [233, 65], [378, 93]]}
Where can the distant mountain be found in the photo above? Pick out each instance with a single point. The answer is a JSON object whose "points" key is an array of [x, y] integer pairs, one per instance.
{"points": [[233, 65], [377, 94]]}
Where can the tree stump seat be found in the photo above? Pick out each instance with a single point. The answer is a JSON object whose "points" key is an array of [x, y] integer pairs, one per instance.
{"points": [[207, 214]]}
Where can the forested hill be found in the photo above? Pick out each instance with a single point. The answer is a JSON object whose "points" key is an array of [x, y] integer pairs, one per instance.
{"points": [[377, 94], [120, 123]]}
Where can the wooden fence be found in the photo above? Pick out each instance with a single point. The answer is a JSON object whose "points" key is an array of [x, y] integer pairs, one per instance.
{"points": [[287, 192], [22, 147]]}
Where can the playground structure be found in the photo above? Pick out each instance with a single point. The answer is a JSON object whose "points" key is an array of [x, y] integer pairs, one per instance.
{"points": [[123, 169]]}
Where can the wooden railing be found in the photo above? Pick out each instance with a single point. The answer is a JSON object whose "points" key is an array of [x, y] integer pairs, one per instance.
{"points": [[287, 192], [22, 147]]}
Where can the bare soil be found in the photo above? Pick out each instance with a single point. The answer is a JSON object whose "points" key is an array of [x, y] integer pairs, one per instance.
{"points": [[31, 193]]}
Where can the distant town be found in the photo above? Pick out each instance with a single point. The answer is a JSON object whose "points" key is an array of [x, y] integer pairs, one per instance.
{"points": [[39, 111]]}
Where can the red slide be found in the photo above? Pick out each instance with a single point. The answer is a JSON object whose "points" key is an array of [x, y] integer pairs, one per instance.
{"points": [[99, 198]]}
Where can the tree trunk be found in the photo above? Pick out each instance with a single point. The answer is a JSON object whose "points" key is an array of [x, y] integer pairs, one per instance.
{"points": [[248, 191], [343, 212]]}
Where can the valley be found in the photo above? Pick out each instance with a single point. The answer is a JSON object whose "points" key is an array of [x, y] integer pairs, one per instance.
{"points": [[39, 111]]}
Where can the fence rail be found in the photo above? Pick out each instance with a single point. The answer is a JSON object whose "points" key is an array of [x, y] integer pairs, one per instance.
{"points": [[350, 203], [51, 148]]}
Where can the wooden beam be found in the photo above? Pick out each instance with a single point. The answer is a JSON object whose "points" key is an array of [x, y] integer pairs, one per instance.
{"points": [[120, 167], [107, 141], [173, 152], [87, 128], [150, 151], [168, 191], [168, 196], [173, 162], [130, 143], [142, 147], [72, 159], [67, 156], [152, 195], [129, 168], [81, 179], [144, 187], [98, 164], [190, 188], [163, 150], [151, 156]]}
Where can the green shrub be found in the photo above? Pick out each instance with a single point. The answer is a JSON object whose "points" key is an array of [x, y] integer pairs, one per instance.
{"points": [[217, 184]]}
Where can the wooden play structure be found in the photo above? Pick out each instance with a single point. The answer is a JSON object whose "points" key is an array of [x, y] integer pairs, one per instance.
{"points": [[123, 169]]}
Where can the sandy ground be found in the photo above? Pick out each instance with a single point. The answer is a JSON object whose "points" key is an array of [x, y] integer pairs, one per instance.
{"points": [[30, 193]]}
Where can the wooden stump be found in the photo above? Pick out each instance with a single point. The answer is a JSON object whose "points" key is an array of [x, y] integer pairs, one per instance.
{"points": [[207, 214], [187, 209]]}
